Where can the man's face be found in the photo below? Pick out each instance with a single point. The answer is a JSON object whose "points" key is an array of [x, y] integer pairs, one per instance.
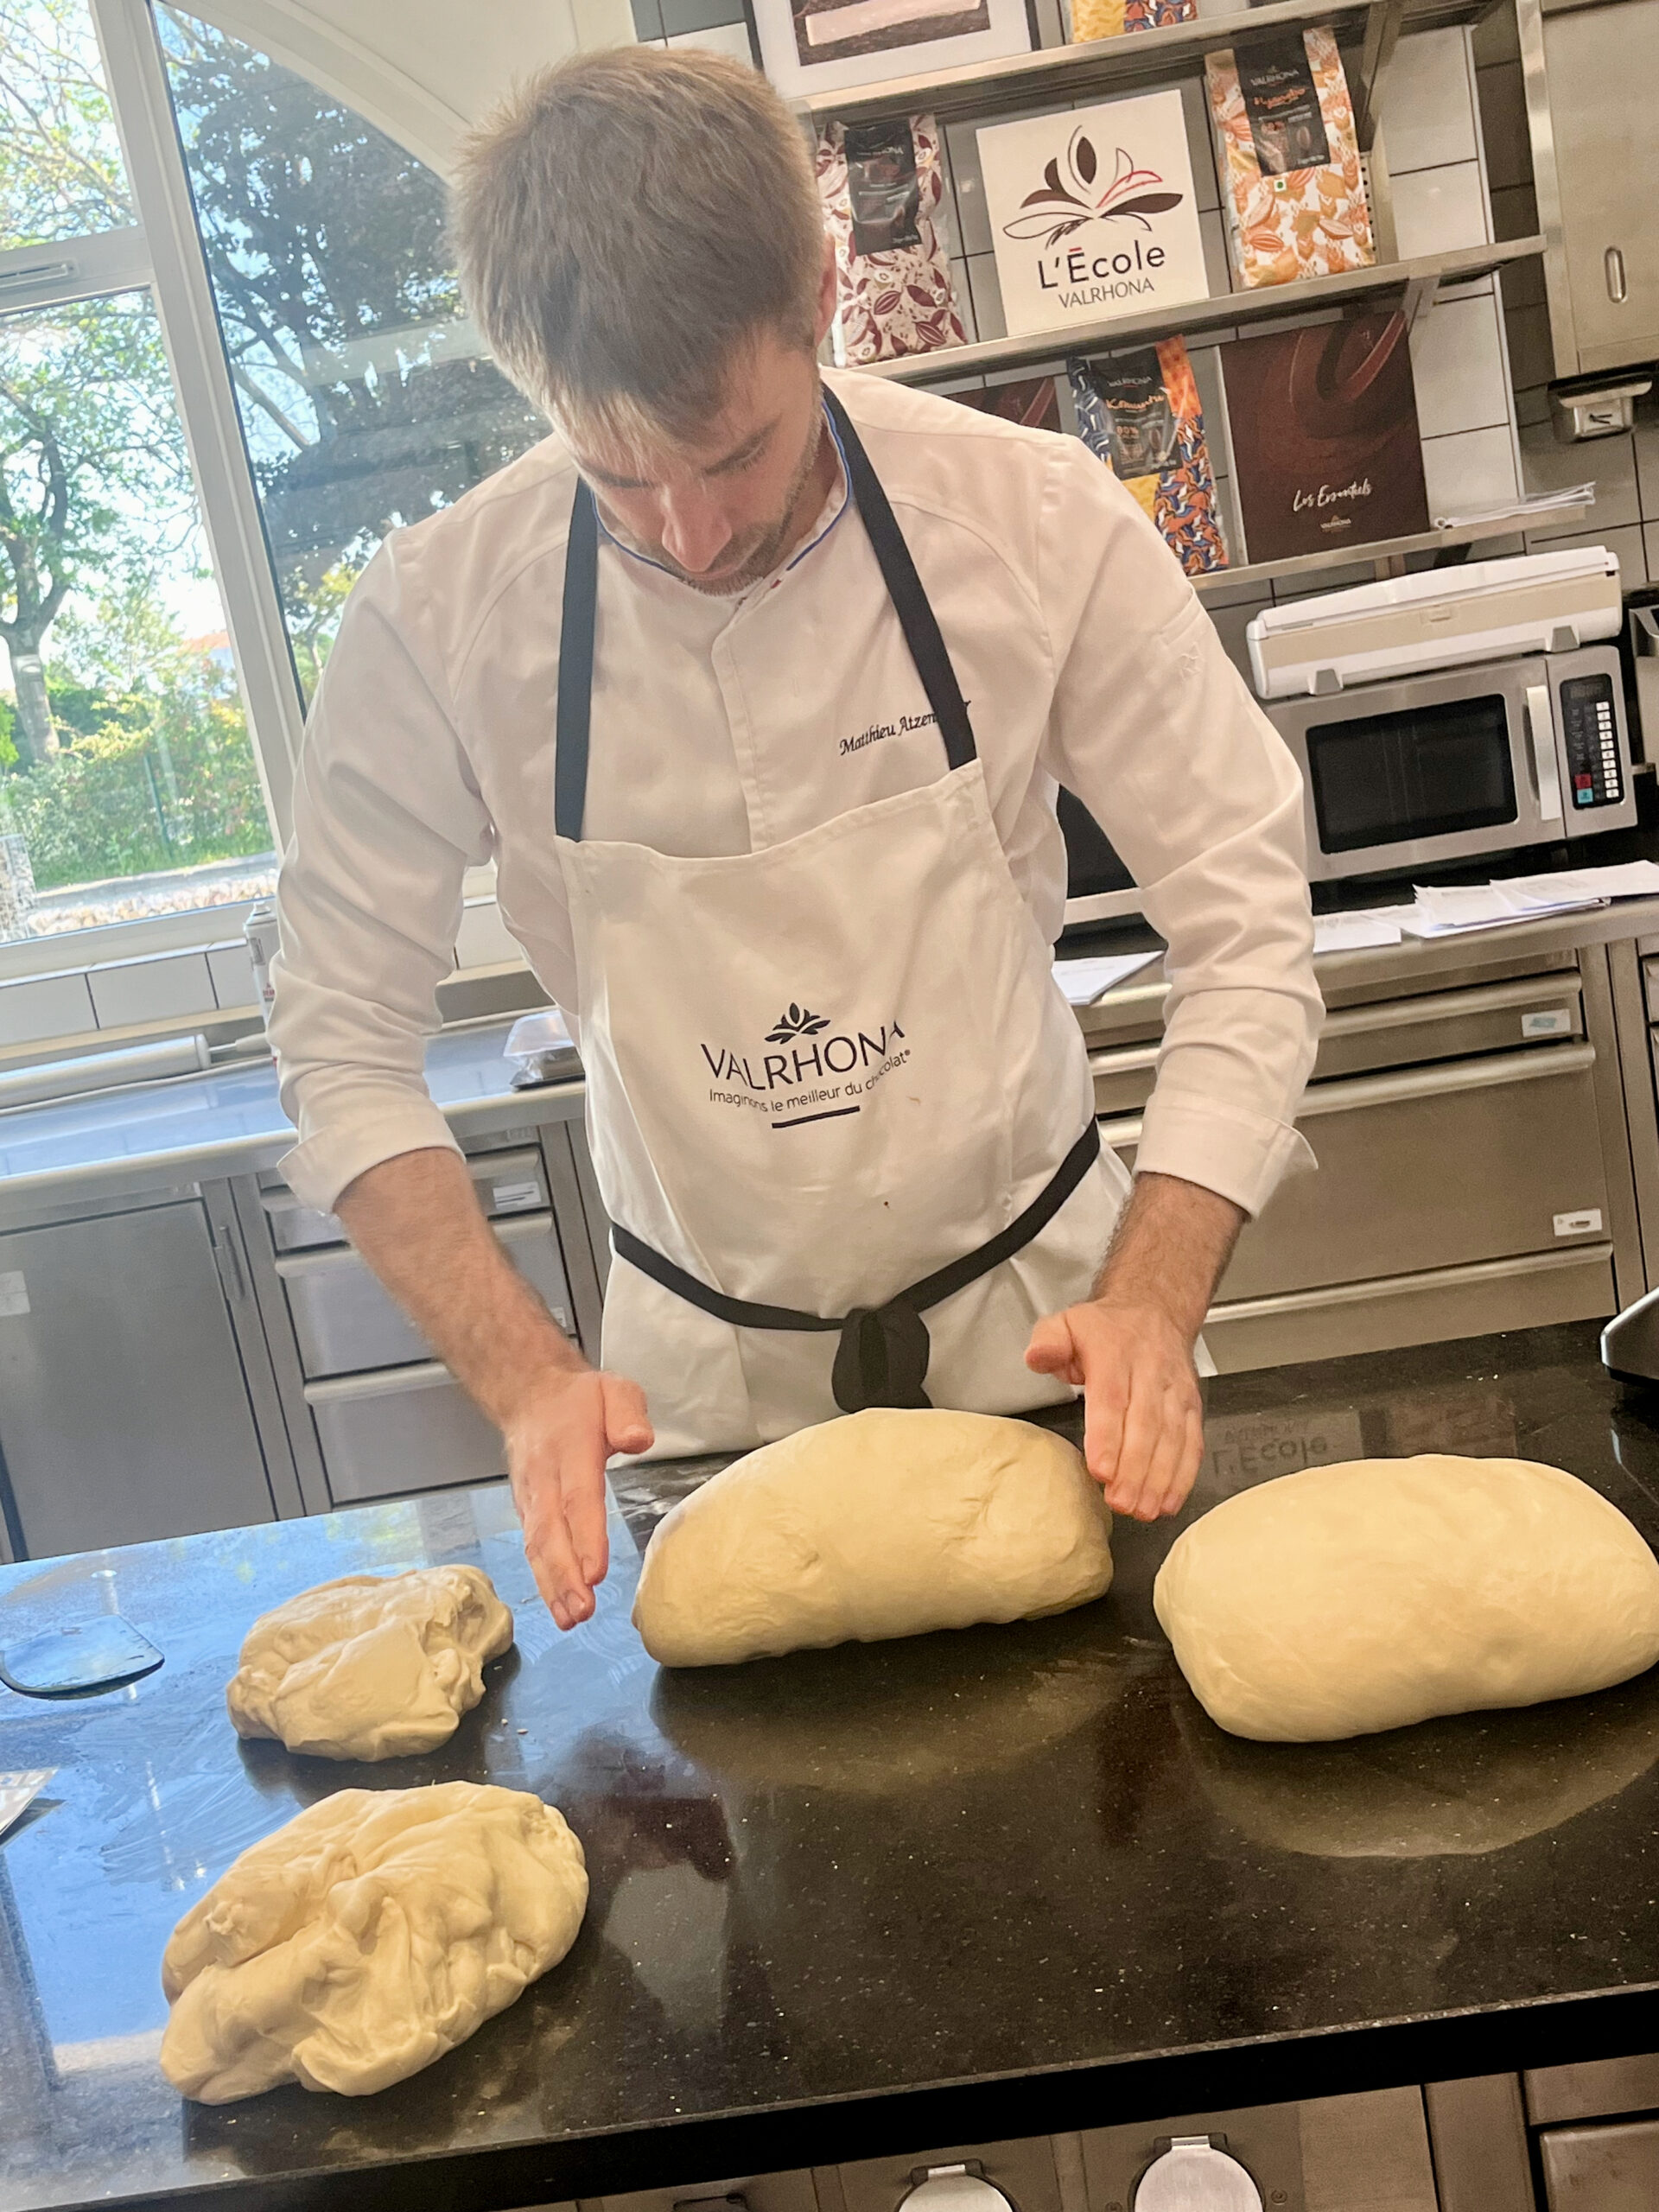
{"points": [[720, 512]]}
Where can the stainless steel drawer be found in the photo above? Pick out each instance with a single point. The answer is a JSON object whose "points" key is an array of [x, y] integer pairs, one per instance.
{"points": [[344, 1323], [1612, 2168], [1594, 2090], [1431, 1167], [508, 1183], [382, 1435], [1531, 1011]]}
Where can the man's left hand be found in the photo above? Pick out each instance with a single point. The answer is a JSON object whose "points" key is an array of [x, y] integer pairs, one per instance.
{"points": [[1129, 1348], [1143, 1418]]}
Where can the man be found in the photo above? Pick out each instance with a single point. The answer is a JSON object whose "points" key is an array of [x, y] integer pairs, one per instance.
{"points": [[757, 687]]}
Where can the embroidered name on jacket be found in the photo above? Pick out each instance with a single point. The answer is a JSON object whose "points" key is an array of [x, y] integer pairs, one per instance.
{"points": [[877, 731]]}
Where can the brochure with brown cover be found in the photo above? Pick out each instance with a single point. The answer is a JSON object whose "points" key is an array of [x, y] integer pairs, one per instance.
{"points": [[1326, 451]]}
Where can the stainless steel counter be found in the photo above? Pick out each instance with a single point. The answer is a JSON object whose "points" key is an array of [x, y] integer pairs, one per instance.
{"points": [[228, 1123]]}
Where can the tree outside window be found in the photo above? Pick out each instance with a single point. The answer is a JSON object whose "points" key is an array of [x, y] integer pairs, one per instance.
{"points": [[366, 398], [128, 784]]}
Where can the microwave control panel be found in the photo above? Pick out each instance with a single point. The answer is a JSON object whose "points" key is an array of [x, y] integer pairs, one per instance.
{"points": [[1590, 725]]}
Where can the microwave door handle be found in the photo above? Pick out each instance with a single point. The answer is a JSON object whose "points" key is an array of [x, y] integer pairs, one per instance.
{"points": [[1540, 727]]}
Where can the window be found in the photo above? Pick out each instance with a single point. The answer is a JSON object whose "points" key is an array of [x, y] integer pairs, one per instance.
{"points": [[150, 708], [61, 172], [365, 397], [127, 782]]}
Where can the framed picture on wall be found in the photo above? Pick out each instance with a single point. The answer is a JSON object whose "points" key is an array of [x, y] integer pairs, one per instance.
{"points": [[810, 47]]}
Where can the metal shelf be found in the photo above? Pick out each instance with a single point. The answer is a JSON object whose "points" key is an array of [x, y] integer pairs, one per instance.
{"points": [[1419, 281], [1071, 72], [1383, 552]]}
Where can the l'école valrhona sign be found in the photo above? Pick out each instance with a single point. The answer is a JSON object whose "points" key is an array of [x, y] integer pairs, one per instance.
{"points": [[1093, 212]]}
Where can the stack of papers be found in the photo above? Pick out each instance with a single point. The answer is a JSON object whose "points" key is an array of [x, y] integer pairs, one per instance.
{"points": [[1085, 981], [1439, 910], [1443, 911], [1522, 510]]}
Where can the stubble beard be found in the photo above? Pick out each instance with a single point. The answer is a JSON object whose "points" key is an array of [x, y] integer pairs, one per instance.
{"points": [[769, 550]]}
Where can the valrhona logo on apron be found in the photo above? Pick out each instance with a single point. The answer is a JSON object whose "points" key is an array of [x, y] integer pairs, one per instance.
{"points": [[839, 1114], [821, 1073]]}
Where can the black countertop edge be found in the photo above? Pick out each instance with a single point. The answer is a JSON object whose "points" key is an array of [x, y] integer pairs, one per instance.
{"points": [[1267, 2070]]}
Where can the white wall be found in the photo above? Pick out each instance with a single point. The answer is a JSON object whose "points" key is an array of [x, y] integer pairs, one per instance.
{"points": [[423, 71]]}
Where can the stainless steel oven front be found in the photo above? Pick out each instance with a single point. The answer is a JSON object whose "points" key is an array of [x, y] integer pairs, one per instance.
{"points": [[1486, 759]]}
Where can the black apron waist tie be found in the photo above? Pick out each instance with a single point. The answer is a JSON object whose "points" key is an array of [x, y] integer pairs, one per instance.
{"points": [[881, 1359]]}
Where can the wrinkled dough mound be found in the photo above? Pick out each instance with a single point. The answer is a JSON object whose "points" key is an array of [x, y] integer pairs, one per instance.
{"points": [[372, 1666], [885, 1524], [1351, 1599], [372, 1935]]}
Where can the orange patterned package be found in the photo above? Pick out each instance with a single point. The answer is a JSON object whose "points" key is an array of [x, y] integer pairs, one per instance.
{"points": [[1111, 18], [1288, 154]]}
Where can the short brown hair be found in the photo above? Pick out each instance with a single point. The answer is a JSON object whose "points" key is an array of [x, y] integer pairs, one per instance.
{"points": [[626, 221]]}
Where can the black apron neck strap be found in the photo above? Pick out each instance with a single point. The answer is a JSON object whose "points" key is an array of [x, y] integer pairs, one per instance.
{"points": [[916, 619], [910, 602], [576, 666]]}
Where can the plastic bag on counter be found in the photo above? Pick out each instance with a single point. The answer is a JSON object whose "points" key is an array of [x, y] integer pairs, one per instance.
{"points": [[540, 1048], [1139, 413], [1287, 149], [882, 186]]}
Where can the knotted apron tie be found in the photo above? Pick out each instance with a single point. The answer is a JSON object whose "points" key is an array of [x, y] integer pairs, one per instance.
{"points": [[881, 1359]]}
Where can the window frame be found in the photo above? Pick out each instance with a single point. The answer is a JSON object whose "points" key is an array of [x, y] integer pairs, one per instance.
{"points": [[162, 252]]}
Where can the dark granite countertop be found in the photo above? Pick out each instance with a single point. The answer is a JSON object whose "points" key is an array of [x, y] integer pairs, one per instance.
{"points": [[879, 1899]]}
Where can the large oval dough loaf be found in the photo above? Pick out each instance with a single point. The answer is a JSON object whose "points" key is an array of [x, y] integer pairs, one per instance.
{"points": [[371, 1936], [885, 1524], [1346, 1599], [371, 1667]]}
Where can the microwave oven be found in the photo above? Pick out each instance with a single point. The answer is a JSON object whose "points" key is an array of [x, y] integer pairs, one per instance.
{"points": [[1448, 765]]}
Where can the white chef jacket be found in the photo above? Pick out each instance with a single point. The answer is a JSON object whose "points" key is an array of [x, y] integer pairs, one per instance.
{"points": [[725, 725]]}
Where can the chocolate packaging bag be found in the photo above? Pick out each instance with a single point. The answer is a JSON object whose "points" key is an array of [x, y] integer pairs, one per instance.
{"points": [[882, 185], [1139, 413], [1288, 154], [1326, 451], [1108, 18]]}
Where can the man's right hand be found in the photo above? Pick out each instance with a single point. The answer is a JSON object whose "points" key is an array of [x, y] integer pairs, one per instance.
{"points": [[556, 1450], [416, 1219]]}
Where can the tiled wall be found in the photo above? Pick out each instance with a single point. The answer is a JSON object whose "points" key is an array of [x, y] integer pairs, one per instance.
{"points": [[175, 988], [1624, 470]]}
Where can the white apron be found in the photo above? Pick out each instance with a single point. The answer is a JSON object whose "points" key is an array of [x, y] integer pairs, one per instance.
{"points": [[824, 1074]]}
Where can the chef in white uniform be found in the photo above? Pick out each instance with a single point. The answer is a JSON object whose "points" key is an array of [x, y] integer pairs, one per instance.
{"points": [[756, 684]]}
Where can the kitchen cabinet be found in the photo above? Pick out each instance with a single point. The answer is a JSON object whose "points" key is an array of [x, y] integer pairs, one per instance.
{"points": [[1475, 1162], [370, 1413], [1592, 89], [125, 1407]]}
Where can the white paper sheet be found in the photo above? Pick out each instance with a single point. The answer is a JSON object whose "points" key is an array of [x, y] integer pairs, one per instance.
{"points": [[18, 1790], [1627, 880], [1352, 933], [1085, 981], [1447, 909]]}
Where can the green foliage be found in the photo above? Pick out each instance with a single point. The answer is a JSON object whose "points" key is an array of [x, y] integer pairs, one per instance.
{"points": [[61, 172], [365, 393], [154, 778]]}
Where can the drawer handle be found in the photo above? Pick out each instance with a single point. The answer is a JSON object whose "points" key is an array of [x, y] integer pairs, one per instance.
{"points": [[1358, 1091], [1613, 263]]}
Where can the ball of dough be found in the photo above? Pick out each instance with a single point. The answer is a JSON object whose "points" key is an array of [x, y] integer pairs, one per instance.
{"points": [[1346, 1599], [372, 1666], [888, 1522], [374, 1933]]}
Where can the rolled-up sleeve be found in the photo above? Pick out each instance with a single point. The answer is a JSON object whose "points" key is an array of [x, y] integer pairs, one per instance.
{"points": [[1153, 730], [387, 819]]}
